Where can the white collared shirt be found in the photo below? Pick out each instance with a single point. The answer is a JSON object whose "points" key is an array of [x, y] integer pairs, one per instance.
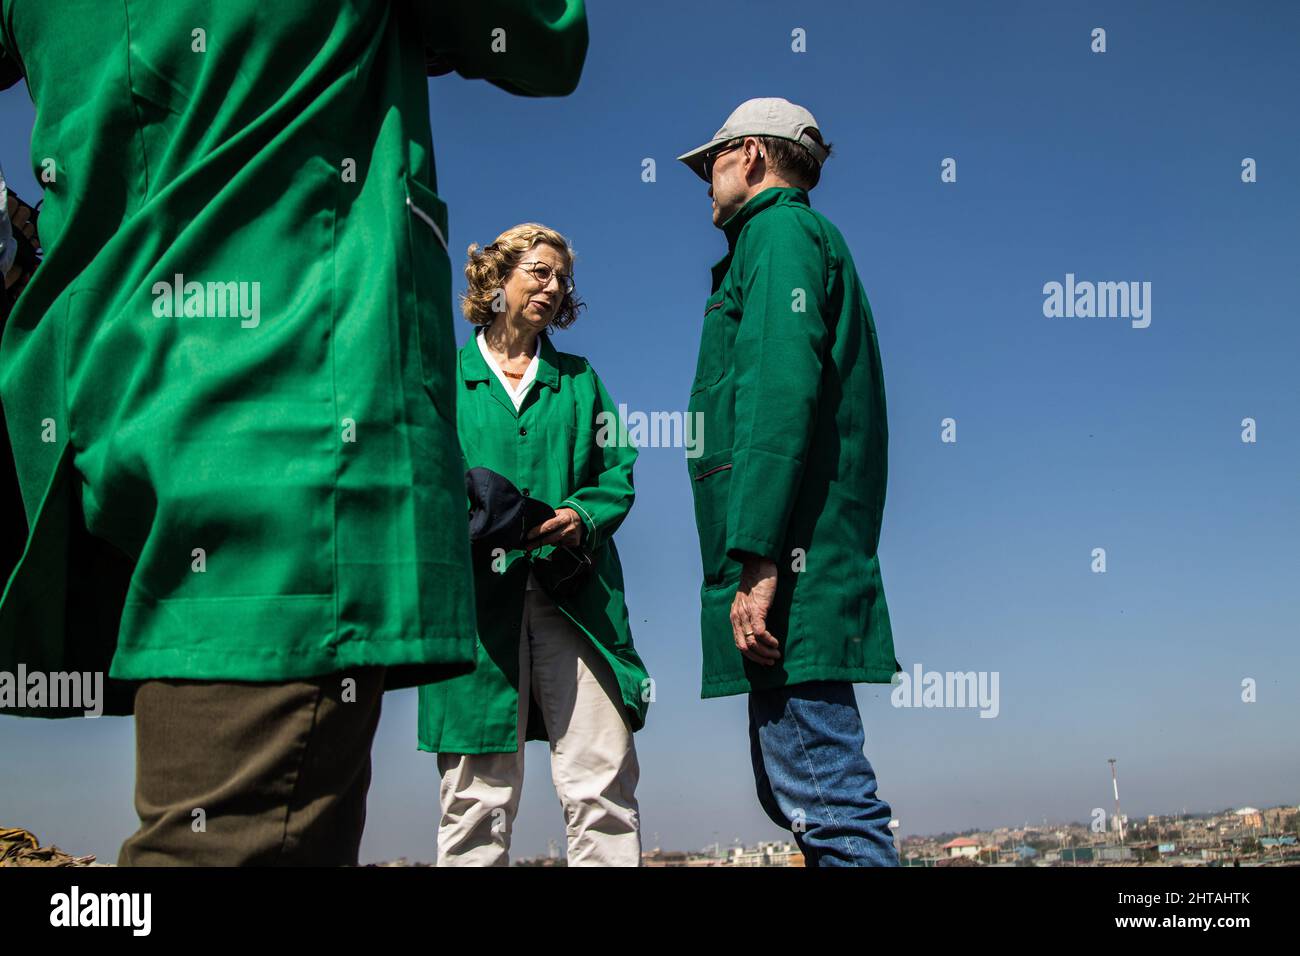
{"points": [[516, 395]]}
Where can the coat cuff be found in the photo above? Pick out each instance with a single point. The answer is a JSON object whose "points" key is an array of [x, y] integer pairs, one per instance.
{"points": [[740, 546], [587, 521], [763, 490]]}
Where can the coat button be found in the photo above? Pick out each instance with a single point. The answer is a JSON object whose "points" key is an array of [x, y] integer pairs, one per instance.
{"points": [[524, 492], [523, 431]]}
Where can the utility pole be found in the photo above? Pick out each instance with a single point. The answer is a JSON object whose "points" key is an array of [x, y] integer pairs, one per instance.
{"points": [[1119, 818]]}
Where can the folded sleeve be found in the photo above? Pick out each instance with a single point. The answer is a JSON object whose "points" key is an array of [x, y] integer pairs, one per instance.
{"points": [[778, 353], [526, 47]]}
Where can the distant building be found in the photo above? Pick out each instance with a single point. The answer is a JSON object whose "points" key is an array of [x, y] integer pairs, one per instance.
{"points": [[771, 853], [1249, 817], [962, 846], [791, 855], [659, 857], [1114, 854], [1278, 818]]}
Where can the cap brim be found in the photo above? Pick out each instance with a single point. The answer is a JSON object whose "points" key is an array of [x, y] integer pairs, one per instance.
{"points": [[695, 158]]}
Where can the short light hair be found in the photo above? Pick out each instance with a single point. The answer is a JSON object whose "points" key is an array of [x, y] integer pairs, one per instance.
{"points": [[793, 162], [487, 268]]}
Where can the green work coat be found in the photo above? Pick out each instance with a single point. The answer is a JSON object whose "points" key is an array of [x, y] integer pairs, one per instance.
{"points": [[564, 447], [790, 388], [229, 386]]}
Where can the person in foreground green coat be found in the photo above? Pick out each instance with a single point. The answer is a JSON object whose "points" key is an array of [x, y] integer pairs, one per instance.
{"points": [[229, 390], [790, 489], [562, 670]]}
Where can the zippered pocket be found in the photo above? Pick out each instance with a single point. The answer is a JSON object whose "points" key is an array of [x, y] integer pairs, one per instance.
{"points": [[711, 490], [712, 470], [711, 364]]}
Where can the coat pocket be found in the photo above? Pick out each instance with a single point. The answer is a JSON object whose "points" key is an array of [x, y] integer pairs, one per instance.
{"points": [[711, 485], [430, 276], [711, 364]]}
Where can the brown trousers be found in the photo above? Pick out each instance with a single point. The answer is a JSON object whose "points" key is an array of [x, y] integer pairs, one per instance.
{"points": [[242, 774]]}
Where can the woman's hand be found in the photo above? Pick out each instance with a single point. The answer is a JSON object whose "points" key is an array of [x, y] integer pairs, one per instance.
{"points": [[565, 528]]}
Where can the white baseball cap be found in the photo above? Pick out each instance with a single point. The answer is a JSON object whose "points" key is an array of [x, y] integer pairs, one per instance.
{"points": [[763, 116]]}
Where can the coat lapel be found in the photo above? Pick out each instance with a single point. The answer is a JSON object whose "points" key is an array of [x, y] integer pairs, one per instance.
{"points": [[474, 369]]}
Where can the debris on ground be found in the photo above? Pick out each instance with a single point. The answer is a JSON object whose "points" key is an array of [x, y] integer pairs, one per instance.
{"points": [[19, 847]]}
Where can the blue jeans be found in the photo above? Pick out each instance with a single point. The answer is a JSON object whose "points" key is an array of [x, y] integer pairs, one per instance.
{"points": [[814, 779]]}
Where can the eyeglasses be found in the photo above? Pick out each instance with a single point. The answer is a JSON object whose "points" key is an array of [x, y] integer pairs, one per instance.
{"points": [[712, 155], [543, 272]]}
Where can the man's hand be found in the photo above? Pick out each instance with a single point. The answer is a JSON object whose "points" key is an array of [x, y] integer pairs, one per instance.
{"points": [[565, 528], [749, 612]]}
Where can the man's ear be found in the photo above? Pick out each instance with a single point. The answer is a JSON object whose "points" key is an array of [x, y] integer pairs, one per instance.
{"points": [[758, 153]]}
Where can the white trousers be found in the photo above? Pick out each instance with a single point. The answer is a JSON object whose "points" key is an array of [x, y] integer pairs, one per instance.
{"points": [[593, 758]]}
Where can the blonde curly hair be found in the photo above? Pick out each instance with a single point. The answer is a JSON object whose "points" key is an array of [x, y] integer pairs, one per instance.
{"points": [[487, 268]]}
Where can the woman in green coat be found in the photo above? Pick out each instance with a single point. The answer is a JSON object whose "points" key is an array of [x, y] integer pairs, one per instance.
{"points": [[558, 670]]}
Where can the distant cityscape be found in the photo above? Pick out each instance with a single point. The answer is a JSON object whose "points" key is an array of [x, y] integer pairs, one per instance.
{"points": [[1232, 837], [1244, 837]]}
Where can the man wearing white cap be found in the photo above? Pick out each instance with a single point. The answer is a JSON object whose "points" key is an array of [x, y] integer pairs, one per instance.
{"points": [[790, 490]]}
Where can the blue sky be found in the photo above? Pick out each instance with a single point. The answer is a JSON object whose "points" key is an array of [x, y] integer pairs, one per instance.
{"points": [[1073, 434]]}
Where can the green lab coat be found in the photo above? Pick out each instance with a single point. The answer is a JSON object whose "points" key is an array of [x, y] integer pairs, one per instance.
{"points": [[255, 474], [790, 388], [562, 447]]}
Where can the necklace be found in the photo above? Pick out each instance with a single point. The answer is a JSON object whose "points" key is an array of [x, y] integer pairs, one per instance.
{"points": [[500, 363]]}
